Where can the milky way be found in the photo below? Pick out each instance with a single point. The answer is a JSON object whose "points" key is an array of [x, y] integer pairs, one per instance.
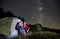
{"points": [[46, 12]]}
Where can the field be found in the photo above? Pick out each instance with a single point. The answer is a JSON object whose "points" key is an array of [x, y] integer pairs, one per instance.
{"points": [[5, 28], [40, 35]]}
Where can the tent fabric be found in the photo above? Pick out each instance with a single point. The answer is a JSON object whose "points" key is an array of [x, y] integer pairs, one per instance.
{"points": [[13, 31]]}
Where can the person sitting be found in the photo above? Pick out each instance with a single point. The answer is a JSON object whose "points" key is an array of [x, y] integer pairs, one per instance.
{"points": [[19, 27], [26, 27]]}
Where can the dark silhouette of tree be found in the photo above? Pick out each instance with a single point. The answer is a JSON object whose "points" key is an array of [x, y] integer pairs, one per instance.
{"points": [[22, 18], [9, 14], [6, 14], [2, 13], [36, 27]]}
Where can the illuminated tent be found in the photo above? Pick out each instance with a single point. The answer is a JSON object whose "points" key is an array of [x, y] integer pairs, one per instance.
{"points": [[13, 31], [7, 25]]}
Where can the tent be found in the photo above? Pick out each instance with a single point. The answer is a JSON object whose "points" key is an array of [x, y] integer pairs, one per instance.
{"points": [[7, 25], [13, 31]]}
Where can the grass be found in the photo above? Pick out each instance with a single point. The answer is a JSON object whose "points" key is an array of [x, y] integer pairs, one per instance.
{"points": [[5, 27], [39, 35]]}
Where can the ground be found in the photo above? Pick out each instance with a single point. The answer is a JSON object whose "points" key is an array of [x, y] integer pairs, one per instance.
{"points": [[5, 27]]}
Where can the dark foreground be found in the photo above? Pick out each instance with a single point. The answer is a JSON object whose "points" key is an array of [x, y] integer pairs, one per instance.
{"points": [[38, 35]]}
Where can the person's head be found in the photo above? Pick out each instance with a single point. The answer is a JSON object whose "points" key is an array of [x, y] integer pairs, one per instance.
{"points": [[24, 23], [20, 23]]}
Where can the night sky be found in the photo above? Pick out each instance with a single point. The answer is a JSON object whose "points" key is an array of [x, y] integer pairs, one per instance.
{"points": [[45, 12]]}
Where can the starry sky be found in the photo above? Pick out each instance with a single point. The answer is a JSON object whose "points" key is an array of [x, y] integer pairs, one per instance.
{"points": [[45, 12]]}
